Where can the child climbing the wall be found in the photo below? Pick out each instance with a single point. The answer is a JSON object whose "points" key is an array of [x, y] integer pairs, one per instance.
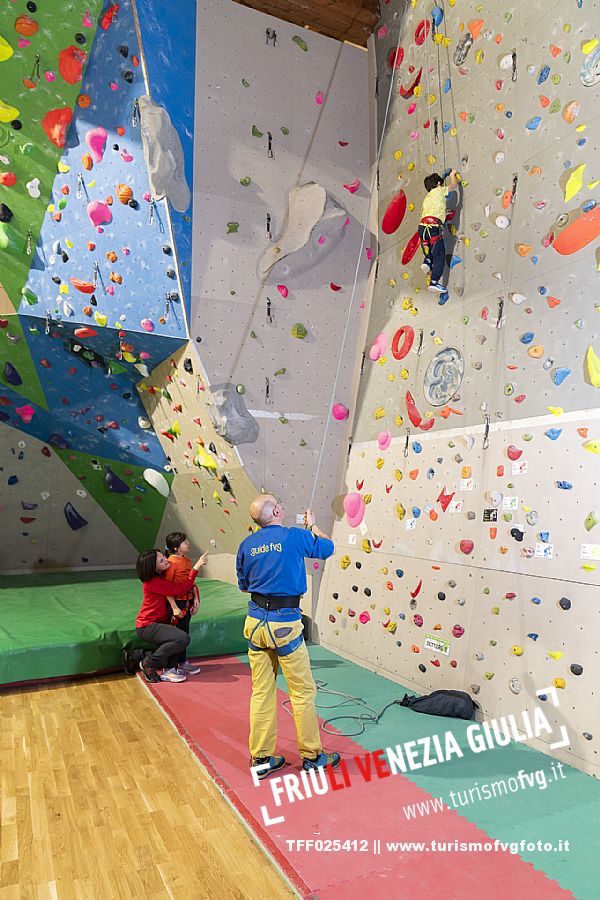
{"points": [[431, 228], [183, 608]]}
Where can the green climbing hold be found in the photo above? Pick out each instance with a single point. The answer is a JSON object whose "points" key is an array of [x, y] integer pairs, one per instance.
{"points": [[245, 181], [283, 420], [115, 368], [62, 203], [29, 296], [253, 334], [527, 437], [466, 320], [301, 42], [7, 237], [281, 371], [489, 675], [554, 106], [166, 395], [303, 443], [256, 132], [245, 83], [285, 130], [233, 227], [486, 590], [493, 643], [240, 389], [495, 610], [590, 520], [299, 331], [567, 57]]}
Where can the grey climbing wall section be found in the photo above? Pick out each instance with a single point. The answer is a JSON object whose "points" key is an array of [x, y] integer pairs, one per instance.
{"points": [[272, 272], [467, 535]]}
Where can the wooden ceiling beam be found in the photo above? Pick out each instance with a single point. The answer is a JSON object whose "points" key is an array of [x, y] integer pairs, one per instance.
{"points": [[344, 20]]}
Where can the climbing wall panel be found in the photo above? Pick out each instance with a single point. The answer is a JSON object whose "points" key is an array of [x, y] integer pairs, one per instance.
{"points": [[284, 111], [468, 511]]}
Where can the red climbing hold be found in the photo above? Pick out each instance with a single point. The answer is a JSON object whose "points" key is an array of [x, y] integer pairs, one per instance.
{"points": [[86, 287], [417, 590], [410, 249], [395, 58], [413, 413], [444, 498], [107, 19], [70, 64], [394, 214], [405, 334], [55, 124], [422, 32], [409, 91]]}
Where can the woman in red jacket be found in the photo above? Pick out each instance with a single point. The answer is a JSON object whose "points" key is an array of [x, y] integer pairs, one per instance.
{"points": [[154, 615]]}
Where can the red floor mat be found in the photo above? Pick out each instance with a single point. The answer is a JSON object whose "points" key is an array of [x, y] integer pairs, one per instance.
{"points": [[211, 712]]}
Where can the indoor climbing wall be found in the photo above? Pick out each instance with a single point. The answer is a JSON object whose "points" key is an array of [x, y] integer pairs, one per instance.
{"points": [[89, 263], [281, 186], [467, 534]]}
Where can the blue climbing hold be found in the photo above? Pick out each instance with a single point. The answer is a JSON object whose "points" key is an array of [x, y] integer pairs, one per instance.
{"points": [[454, 261], [417, 447], [402, 616], [544, 72], [559, 375], [416, 512], [533, 635], [589, 205], [543, 697], [399, 573], [564, 485], [536, 600], [535, 260], [545, 537], [527, 338], [447, 85], [430, 473], [533, 123], [542, 290], [582, 142], [12, 480], [446, 127], [553, 433], [437, 15]]}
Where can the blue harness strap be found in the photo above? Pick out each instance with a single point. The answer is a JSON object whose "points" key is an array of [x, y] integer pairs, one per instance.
{"points": [[285, 615], [280, 651]]}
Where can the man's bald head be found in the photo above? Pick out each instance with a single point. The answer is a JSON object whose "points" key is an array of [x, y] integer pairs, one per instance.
{"points": [[261, 509]]}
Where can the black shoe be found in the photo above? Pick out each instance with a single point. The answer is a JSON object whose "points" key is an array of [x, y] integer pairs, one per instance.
{"points": [[132, 660], [151, 675]]}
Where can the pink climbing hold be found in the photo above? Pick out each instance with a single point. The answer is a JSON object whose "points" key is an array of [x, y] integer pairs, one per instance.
{"points": [[283, 290], [418, 620], [466, 547], [384, 439], [458, 631], [353, 187], [364, 617], [95, 138], [354, 507], [339, 412], [378, 347], [125, 156], [147, 325], [26, 413], [513, 452], [319, 98], [98, 213]]}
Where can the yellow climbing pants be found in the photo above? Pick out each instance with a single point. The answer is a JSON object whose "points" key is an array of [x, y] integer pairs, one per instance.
{"points": [[271, 643]]}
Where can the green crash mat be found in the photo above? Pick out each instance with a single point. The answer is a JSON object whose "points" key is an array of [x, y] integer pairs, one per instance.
{"points": [[54, 625]]}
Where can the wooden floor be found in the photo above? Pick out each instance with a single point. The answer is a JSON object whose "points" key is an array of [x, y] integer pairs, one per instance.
{"points": [[102, 799]]}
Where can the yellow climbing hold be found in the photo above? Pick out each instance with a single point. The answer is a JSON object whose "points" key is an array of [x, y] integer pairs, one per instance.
{"points": [[202, 459], [592, 446], [129, 357], [379, 462], [593, 367], [588, 46], [100, 318], [384, 570], [574, 182], [400, 511], [517, 651], [588, 567], [6, 51], [379, 412], [479, 57], [339, 609], [431, 159], [392, 282], [555, 410], [411, 207], [432, 99], [593, 184], [382, 360], [366, 545], [399, 421], [559, 682], [404, 374], [386, 610], [64, 289], [345, 562], [398, 475], [391, 627], [417, 91], [367, 498], [63, 167], [555, 654], [438, 38], [391, 377], [398, 154], [7, 112]]}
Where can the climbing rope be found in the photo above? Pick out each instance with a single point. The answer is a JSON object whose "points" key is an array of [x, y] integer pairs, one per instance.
{"points": [[358, 260], [370, 716]]}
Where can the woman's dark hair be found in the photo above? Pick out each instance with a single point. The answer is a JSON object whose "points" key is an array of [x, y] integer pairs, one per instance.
{"points": [[146, 565], [174, 540], [433, 181]]}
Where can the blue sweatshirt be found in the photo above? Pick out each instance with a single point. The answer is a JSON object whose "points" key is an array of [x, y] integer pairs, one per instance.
{"points": [[271, 561]]}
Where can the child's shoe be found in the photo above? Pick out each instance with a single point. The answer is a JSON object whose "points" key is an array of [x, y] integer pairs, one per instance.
{"points": [[425, 267], [274, 763], [188, 668], [172, 675], [436, 288], [322, 760]]}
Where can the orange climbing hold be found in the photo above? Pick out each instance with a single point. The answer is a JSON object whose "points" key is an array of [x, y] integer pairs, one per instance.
{"points": [[26, 26], [55, 124], [86, 161], [70, 64], [578, 234], [475, 26], [83, 101], [85, 287], [524, 249], [552, 302]]}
